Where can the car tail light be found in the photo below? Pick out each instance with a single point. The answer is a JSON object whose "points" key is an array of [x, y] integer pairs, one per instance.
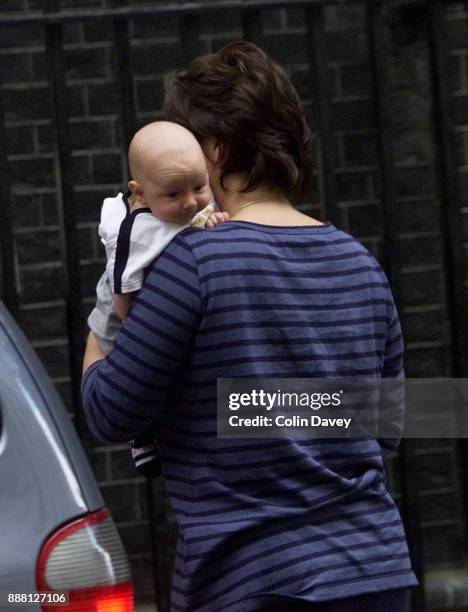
{"points": [[86, 558]]}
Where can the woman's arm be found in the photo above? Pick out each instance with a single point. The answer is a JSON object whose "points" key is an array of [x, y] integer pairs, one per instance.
{"points": [[93, 352], [393, 403], [128, 389]]}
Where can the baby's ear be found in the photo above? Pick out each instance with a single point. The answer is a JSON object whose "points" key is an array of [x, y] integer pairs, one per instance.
{"points": [[134, 188]]}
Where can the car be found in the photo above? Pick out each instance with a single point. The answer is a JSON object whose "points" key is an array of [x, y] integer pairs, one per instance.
{"points": [[56, 534]]}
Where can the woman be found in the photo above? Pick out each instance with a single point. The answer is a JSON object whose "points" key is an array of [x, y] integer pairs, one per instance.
{"points": [[266, 524]]}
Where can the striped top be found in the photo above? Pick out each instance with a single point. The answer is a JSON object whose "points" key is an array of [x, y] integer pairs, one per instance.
{"points": [[261, 520]]}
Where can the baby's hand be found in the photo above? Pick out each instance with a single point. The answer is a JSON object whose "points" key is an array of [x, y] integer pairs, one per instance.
{"points": [[215, 218]]}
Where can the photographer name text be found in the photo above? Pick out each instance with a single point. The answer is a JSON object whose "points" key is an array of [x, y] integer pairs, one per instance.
{"points": [[281, 420]]}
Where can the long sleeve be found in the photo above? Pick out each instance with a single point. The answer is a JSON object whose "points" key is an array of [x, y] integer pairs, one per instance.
{"points": [[392, 419], [128, 390]]}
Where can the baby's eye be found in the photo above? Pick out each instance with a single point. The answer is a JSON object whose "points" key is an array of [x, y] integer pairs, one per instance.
{"points": [[199, 187], [173, 194]]}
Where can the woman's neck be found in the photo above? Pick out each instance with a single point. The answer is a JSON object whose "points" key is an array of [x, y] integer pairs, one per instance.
{"points": [[234, 202], [274, 213], [262, 205], [267, 205]]}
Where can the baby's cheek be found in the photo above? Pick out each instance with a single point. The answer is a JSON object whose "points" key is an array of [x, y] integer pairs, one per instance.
{"points": [[205, 200]]}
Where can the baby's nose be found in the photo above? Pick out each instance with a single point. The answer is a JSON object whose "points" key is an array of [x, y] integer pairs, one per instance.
{"points": [[190, 202]]}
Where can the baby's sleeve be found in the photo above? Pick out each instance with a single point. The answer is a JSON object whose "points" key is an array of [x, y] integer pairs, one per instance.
{"points": [[141, 239], [112, 211], [128, 268]]}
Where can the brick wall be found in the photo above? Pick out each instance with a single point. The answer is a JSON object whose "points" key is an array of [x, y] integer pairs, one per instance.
{"points": [[100, 169]]}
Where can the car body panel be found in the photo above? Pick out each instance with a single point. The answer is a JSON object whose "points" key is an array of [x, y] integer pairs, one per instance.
{"points": [[45, 477]]}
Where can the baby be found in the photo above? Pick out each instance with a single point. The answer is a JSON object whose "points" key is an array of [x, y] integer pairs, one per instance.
{"points": [[169, 192]]}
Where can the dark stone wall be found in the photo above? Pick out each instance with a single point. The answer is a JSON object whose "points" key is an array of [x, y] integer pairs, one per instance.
{"points": [[100, 169]]}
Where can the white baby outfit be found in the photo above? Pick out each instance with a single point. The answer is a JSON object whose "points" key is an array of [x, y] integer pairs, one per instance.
{"points": [[132, 239]]}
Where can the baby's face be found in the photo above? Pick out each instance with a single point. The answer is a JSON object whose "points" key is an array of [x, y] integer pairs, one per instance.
{"points": [[178, 188]]}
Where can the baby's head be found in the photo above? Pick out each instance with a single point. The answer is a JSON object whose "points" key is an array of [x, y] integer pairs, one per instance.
{"points": [[168, 171]]}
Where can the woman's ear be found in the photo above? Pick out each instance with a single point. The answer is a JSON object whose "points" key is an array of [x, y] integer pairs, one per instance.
{"points": [[215, 151], [223, 152]]}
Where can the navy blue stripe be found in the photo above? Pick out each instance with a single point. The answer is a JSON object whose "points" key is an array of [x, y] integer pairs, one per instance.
{"points": [[200, 383], [299, 307], [136, 379], [340, 289], [163, 314], [173, 278], [267, 531], [372, 576], [293, 371], [242, 466], [96, 423], [300, 260], [221, 241], [146, 345], [138, 361], [222, 363], [164, 337], [396, 340], [267, 324], [286, 273], [120, 409], [126, 202], [167, 257], [122, 250], [392, 360], [170, 298], [237, 447], [124, 393], [203, 348]]}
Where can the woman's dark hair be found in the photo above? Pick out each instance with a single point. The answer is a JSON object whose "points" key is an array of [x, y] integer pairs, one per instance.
{"points": [[244, 99]]}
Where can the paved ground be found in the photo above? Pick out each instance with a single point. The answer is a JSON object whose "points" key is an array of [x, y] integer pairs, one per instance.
{"points": [[146, 608]]}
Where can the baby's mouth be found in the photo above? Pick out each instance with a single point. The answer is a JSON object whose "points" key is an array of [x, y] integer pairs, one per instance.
{"points": [[188, 217]]}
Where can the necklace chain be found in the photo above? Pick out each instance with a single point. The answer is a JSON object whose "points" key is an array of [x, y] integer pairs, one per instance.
{"points": [[263, 200]]}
